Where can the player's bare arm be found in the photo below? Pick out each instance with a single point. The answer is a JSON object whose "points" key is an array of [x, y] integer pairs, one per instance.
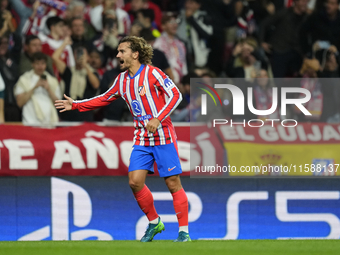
{"points": [[64, 105]]}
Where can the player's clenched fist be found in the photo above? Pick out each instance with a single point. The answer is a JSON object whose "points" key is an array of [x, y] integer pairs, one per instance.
{"points": [[152, 125]]}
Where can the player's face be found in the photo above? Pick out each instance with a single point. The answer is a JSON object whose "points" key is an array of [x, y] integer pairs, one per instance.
{"points": [[124, 56]]}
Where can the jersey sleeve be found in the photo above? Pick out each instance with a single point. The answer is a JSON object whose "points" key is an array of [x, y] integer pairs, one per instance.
{"points": [[165, 84], [99, 101]]}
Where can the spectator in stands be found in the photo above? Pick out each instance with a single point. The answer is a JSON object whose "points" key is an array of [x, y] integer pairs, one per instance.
{"points": [[9, 72], [135, 5], [36, 91], [182, 112], [309, 73], [32, 45], [322, 28], [158, 59], [36, 23], [263, 95], [2, 100], [75, 9], [262, 9], [109, 7], [117, 110], [7, 19], [283, 43], [329, 63], [136, 28], [330, 87], [77, 26], [96, 61], [246, 25], [107, 41], [23, 11], [245, 61], [195, 30], [55, 39], [172, 47], [80, 81], [223, 39], [145, 18]]}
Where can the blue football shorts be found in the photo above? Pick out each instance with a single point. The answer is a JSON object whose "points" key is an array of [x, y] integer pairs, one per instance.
{"points": [[166, 157]]}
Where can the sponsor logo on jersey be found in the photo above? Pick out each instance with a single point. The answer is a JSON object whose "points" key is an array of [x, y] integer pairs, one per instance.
{"points": [[136, 107], [145, 117]]}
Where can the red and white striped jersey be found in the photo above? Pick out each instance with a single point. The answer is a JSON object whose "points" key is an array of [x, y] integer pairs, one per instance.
{"points": [[149, 94]]}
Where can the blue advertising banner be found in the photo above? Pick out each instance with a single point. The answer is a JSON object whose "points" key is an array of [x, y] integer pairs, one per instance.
{"points": [[103, 208]]}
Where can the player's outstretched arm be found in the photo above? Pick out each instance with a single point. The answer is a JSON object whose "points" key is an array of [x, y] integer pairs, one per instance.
{"points": [[64, 105]]}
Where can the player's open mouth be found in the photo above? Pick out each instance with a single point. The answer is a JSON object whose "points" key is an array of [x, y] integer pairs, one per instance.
{"points": [[121, 61]]}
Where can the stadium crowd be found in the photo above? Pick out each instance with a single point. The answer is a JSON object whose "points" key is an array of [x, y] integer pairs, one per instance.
{"points": [[52, 47]]}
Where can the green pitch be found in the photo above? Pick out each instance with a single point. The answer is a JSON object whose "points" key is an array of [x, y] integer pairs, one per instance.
{"points": [[238, 247]]}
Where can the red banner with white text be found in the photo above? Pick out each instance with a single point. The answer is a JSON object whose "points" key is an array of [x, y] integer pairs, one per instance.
{"points": [[88, 150]]}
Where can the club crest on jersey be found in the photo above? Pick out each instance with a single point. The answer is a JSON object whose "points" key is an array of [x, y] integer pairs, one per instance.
{"points": [[141, 90]]}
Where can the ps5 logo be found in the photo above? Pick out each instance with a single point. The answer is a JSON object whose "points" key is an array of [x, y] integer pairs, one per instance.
{"points": [[60, 225]]}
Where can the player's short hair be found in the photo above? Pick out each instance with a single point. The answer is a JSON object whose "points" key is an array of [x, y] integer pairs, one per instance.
{"points": [[39, 56], [139, 44], [30, 38]]}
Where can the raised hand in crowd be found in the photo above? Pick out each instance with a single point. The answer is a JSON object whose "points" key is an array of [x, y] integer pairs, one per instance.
{"points": [[7, 16], [35, 7]]}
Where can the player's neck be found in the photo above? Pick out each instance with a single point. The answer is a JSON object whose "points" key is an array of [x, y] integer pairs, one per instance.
{"points": [[134, 69]]}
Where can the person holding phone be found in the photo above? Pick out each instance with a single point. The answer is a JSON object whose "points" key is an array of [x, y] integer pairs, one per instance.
{"points": [[80, 81], [35, 92]]}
